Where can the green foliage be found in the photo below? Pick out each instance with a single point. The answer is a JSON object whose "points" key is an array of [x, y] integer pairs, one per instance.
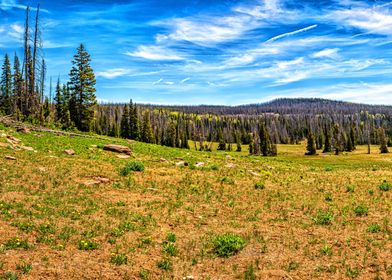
{"points": [[165, 265], [82, 87], [16, 243], [323, 217], [227, 244], [361, 210], [385, 186], [250, 273], [350, 188], [326, 250], [10, 275], [328, 197], [24, 268], [135, 166], [119, 259], [311, 145], [374, 228], [169, 249], [87, 245], [260, 185], [171, 237]]}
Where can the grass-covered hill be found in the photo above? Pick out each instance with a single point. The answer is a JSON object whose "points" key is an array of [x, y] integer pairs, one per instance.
{"points": [[166, 213]]}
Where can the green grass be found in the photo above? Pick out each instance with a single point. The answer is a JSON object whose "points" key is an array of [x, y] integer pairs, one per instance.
{"points": [[327, 216]]}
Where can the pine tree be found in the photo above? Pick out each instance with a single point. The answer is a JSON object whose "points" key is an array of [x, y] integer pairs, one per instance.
{"points": [[59, 102], [18, 85], [82, 86], [147, 135], [311, 145], [6, 87], [337, 139], [134, 122], [125, 125], [353, 138], [383, 141], [327, 141], [222, 142]]}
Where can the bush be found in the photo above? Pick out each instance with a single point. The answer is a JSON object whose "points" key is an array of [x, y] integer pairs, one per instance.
{"points": [[385, 186], [374, 228], [350, 188], [132, 166], [361, 210], [260, 185], [119, 259], [87, 245], [16, 243], [228, 244], [170, 249], [165, 265], [323, 217]]}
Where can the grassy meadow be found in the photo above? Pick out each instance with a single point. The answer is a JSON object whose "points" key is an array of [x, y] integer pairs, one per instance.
{"points": [[222, 215]]}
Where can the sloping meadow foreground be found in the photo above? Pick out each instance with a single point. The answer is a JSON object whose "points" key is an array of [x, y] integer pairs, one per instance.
{"points": [[166, 213]]}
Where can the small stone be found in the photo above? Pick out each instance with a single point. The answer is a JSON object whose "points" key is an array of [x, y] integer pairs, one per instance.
{"points": [[31, 149], [163, 160], [10, 158], [123, 156], [69, 152], [199, 164], [23, 129]]}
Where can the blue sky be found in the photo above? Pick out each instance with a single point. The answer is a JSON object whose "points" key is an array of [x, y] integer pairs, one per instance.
{"points": [[217, 52]]}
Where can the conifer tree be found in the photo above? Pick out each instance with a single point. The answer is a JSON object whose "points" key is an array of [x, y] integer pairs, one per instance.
{"points": [[383, 141], [353, 138], [327, 141], [134, 122], [222, 142], [6, 87], [337, 139], [311, 145], [82, 86], [18, 85], [59, 102], [147, 135], [125, 125]]}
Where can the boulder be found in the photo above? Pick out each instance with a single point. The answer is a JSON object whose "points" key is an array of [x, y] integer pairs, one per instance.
{"points": [[118, 149], [123, 156], [69, 152]]}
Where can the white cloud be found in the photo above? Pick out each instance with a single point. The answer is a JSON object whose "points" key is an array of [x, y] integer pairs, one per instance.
{"points": [[286, 64], [376, 20], [292, 33], [12, 4], [292, 77], [327, 53], [157, 82], [184, 80], [113, 73], [155, 53]]}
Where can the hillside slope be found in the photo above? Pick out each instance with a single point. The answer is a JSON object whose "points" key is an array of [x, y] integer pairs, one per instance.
{"points": [[77, 217]]}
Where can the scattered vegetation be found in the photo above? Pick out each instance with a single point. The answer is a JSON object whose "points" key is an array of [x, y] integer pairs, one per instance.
{"points": [[227, 244]]}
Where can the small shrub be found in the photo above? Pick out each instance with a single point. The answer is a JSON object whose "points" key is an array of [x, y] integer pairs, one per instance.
{"points": [[119, 259], [361, 210], [171, 237], [250, 273], [374, 228], [144, 274], [16, 243], [260, 185], [228, 244], [328, 168], [170, 249], [326, 250], [24, 268], [10, 275], [135, 166], [328, 197], [352, 272], [165, 265], [292, 266], [227, 180], [385, 186], [323, 217], [350, 189], [87, 245]]}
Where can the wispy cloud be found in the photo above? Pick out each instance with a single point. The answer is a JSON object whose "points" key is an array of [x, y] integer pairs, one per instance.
{"points": [[155, 53], [184, 80], [12, 4], [113, 73], [326, 53], [288, 34]]}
